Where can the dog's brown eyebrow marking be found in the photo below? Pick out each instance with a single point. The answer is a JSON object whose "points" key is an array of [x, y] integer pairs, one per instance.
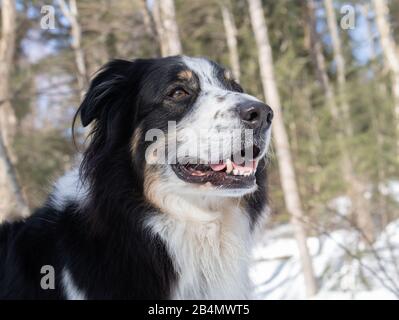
{"points": [[185, 75], [136, 139]]}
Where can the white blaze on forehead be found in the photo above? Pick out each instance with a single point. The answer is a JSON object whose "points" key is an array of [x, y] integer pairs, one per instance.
{"points": [[208, 77], [205, 71]]}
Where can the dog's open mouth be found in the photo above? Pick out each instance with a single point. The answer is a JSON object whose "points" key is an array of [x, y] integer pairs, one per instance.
{"points": [[227, 173]]}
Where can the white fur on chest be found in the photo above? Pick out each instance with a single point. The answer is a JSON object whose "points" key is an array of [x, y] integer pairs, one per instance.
{"points": [[209, 248]]}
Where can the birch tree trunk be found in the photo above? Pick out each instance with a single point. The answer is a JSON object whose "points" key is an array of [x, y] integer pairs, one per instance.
{"points": [[70, 12], [150, 25], [286, 167], [12, 201], [359, 207], [231, 38], [375, 119], [340, 64], [365, 10], [7, 49], [156, 13], [168, 31], [391, 57]]}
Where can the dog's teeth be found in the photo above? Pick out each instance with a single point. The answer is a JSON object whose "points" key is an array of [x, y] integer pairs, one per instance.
{"points": [[229, 166]]}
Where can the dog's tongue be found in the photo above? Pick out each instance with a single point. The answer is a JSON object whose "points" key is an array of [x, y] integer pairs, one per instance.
{"points": [[218, 167]]}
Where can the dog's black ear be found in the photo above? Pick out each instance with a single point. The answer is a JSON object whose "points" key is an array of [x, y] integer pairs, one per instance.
{"points": [[104, 89]]}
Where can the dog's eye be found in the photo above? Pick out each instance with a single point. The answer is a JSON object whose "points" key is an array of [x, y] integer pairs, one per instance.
{"points": [[178, 94]]}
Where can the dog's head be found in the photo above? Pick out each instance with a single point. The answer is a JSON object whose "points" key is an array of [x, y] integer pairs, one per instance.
{"points": [[184, 122]]}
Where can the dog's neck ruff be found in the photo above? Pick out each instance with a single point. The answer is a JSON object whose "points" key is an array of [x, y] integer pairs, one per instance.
{"points": [[209, 242]]}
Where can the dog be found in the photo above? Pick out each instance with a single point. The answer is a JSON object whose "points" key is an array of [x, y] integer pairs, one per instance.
{"points": [[128, 224]]}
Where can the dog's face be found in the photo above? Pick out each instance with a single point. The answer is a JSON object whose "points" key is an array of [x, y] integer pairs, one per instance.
{"points": [[187, 123]]}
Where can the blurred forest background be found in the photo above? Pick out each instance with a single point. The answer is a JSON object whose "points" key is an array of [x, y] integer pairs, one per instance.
{"points": [[329, 69]]}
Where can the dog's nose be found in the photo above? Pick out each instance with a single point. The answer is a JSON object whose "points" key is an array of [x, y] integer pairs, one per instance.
{"points": [[255, 114]]}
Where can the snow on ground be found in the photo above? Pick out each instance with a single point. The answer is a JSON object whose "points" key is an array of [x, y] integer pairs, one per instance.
{"points": [[391, 188], [345, 268]]}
